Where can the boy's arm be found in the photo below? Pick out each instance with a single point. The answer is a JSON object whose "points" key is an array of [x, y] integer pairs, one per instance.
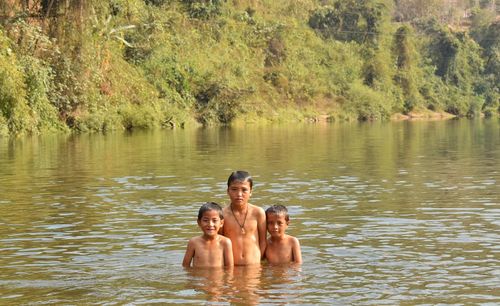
{"points": [[186, 262], [296, 252], [228, 253], [221, 229], [261, 227]]}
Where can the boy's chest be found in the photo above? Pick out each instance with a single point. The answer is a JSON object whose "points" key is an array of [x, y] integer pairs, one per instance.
{"points": [[278, 252], [238, 225]]}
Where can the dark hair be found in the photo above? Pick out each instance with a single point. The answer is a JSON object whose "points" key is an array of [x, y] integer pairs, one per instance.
{"points": [[240, 176], [210, 206], [278, 209]]}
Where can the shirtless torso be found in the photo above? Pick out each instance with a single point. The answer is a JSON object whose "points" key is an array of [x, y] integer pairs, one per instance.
{"points": [[284, 250], [203, 252], [245, 225]]}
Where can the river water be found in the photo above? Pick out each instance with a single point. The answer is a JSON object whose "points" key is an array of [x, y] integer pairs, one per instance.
{"points": [[402, 213]]}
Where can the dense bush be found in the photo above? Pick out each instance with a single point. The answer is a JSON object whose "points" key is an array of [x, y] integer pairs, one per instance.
{"points": [[15, 113], [368, 104], [459, 64], [203, 9]]}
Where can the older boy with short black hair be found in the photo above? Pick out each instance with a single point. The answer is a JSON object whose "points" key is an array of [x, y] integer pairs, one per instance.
{"points": [[245, 223]]}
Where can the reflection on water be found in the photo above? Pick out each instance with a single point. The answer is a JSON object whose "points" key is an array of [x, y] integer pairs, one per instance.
{"points": [[236, 285], [399, 213], [249, 285]]}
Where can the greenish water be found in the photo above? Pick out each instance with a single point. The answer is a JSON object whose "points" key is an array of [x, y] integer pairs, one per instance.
{"points": [[389, 213]]}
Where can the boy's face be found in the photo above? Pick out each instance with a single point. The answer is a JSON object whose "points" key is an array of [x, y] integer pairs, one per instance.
{"points": [[276, 224], [239, 192], [210, 223]]}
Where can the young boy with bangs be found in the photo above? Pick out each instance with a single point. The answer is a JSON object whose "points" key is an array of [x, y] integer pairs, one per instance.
{"points": [[209, 249], [281, 248]]}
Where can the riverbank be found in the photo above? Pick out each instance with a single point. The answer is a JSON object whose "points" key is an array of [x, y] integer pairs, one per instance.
{"points": [[286, 116], [424, 115]]}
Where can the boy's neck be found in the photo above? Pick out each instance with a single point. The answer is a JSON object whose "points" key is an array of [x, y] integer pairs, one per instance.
{"points": [[239, 207], [277, 239], [209, 238]]}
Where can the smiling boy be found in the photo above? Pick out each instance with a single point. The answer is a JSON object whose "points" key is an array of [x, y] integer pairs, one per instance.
{"points": [[209, 249]]}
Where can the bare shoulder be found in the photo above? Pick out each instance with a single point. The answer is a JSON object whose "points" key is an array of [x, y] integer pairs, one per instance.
{"points": [[195, 240], [225, 241], [256, 210], [293, 240]]}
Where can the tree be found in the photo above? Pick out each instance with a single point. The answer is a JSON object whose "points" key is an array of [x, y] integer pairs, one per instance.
{"points": [[350, 20], [406, 58]]}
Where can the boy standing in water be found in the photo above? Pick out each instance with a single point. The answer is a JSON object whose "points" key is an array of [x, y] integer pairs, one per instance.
{"points": [[209, 249], [245, 223], [281, 248]]}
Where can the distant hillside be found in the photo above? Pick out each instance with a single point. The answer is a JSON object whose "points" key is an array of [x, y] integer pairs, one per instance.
{"points": [[122, 64]]}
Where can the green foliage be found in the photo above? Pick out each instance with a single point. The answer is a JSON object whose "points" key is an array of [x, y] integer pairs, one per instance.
{"points": [[124, 64], [351, 20], [488, 37], [343, 64], [433, 89], [443, 50], [402, 47], [490, 42], [218, 103], [157, 2], [14, 108], [39, 83], [36, 51], [171, 79], [368, 104], [203, 9], [407, 76], [459, 63], [480, 19]]}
